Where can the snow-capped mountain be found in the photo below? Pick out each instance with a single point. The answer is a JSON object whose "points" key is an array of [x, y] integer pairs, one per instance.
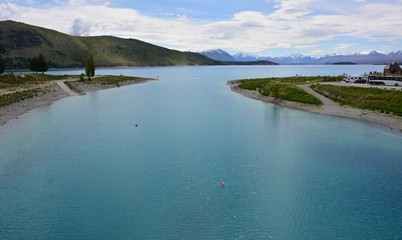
{"points": [[244, 57], [373, 57], [295, 59], [218, 54], [292, 59]]}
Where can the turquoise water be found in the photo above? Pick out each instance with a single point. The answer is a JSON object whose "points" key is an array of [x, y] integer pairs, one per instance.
{"points": [[80, 169]]}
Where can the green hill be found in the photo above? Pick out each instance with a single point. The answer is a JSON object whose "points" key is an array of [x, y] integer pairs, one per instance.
{"points": [[20, 42]]}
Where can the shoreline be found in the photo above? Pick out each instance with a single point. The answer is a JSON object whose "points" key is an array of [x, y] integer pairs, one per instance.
{"points": [[327, 108], [54, 93]]}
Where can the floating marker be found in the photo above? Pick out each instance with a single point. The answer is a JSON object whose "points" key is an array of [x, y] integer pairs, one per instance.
{"points": [[223, 184]]}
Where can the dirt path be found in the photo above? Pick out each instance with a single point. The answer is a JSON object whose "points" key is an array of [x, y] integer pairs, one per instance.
{"points": [[325, 101], [63, 86]]}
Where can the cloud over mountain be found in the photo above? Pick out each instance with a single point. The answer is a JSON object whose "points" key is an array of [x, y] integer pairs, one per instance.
{"points": [[308, 26]]}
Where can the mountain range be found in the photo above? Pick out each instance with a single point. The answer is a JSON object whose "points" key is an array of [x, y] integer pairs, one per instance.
{"points": [[20, 42], [373, 57]]}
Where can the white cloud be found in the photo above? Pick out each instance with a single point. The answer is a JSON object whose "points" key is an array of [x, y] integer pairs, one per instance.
{"points": [[291, 9], [301, 24], [81, 27], [8, 11], [316, 53], [344, 45]]}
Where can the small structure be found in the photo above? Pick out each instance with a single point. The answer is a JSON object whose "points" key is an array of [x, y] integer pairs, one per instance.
{"points": [[392, 69]]}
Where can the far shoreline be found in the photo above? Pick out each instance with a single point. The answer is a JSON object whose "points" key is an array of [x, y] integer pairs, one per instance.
{"points": [[392, 122]]}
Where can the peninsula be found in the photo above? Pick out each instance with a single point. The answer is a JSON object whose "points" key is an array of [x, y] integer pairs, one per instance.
{"points": [[326, 105], [36, 90]]}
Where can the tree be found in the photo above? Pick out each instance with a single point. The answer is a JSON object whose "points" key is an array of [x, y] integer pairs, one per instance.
{"points": [[90, 67], [33, 66], [2, 65], [42, 65], [38, 64]]}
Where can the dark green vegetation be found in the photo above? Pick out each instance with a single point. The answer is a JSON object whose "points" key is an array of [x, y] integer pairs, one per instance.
{"points": [[38, 64], [285, 88], [19, 43], [386, 101], [2, 65], [90, 67]]}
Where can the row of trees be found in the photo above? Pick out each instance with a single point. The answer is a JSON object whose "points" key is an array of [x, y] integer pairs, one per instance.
{"points": [[39, 64]]}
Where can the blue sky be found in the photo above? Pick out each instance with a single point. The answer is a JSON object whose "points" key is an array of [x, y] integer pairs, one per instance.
{"points": [[210, 10], [262, 27]]}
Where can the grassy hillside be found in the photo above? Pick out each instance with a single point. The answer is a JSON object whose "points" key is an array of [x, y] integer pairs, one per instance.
{"points": [[20, 42]]}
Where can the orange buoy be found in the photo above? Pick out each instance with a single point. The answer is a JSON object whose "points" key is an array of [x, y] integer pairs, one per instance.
{"points": [[223, 184]]}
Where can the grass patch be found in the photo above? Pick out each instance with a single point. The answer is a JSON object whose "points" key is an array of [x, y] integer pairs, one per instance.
{"points": [[289, 92], [285, 88], [385, 101], [9, 80], [112, 80], [253, 84]]}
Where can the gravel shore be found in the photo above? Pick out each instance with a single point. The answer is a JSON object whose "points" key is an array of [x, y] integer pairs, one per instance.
{"points": [[52, 93], [328, 107]]}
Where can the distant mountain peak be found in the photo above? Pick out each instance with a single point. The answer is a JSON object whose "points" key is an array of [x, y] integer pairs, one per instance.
{"points": [[218, 54], [375, 53], [368, 57]]}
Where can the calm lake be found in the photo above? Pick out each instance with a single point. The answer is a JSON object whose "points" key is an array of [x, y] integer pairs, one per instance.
{"points": [[80, 169]]}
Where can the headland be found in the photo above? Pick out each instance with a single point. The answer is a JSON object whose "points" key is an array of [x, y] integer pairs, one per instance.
{"points": [[328, 107], [48, 92]]}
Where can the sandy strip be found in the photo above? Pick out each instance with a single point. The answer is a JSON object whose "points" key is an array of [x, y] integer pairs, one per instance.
{"points": [[54, 92], [329, 107]]}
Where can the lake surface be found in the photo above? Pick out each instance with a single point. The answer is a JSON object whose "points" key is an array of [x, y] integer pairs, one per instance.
{"points": [[80, 169]]}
